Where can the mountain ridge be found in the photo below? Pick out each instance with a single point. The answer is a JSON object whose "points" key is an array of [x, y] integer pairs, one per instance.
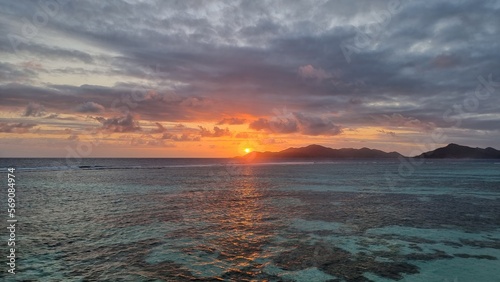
{"points": [[318, 152]]}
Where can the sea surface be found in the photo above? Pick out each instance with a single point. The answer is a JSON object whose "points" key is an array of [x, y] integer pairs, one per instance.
{"points": [[211, 220]]}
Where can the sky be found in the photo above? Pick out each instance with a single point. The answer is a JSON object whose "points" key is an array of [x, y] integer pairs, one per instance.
{"points": [[213, 78]]}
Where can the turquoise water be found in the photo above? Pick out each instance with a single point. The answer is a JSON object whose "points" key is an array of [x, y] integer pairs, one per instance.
{"points": [[206, 220]]}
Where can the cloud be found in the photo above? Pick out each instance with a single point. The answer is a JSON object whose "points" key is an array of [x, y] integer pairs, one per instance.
{"points": [[246, 135], [355, 101], [52, 116], [232, 121], [314, 125], [271, 141], [145, 141], [277, 125], [309, 71], [90, 107], [391, 133], [182, 137], [16, 127], [297, 123], [119, 124], [195, 102], [58, 117], [56, 53], [398, 120], [444, 61], [218, 132], [34, 110], [32, 65], [73, 137], [17, 73], [159, 128]]}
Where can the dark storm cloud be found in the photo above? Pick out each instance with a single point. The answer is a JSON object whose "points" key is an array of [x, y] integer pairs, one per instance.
{"points": [[220, 59]]}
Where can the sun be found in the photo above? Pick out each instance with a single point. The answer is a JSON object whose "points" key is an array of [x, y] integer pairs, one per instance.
{"points": [[248, 150]]}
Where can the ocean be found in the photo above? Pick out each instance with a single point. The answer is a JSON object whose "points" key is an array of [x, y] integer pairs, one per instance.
{"points": [[212, 220]]}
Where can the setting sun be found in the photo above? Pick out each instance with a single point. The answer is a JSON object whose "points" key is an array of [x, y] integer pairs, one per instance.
{"points": [[248, 150]]}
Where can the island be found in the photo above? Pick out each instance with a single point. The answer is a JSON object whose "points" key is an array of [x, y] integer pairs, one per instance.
{"points": [[318, 152], [455, 151], [321, 153]]}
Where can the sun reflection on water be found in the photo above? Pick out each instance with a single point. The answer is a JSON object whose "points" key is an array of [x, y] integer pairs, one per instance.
{"points": [[235, 215]]}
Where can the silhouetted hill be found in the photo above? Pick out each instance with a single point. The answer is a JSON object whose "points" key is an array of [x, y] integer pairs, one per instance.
{"points": [[317, 152], [454, 151]]}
